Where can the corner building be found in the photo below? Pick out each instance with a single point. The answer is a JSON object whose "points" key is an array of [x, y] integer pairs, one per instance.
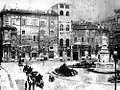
{"points": [[36, 30], [65, 31]]}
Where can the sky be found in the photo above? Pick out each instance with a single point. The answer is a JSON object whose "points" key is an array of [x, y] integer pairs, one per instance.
{"points": [[25, 4], [83, 9]]}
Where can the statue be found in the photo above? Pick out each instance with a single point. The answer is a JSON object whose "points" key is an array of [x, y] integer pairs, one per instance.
{"points": [[104, 53], [104, 40]]}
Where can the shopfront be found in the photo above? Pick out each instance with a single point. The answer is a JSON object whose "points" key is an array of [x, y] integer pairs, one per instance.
{"points": [[9, 43], [79, 51]]}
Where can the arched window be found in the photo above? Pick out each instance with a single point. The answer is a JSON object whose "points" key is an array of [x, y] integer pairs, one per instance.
{"points": [[61, 42], [67, 42], [61, 27], [67, 28], [61, 13], [67, 13]]}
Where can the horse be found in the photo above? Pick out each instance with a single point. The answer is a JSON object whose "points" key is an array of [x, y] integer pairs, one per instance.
{"points": [[37, 78], [25, 68]]}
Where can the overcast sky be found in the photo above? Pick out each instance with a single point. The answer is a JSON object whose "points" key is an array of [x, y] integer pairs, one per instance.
{"points": [[102, 9]]}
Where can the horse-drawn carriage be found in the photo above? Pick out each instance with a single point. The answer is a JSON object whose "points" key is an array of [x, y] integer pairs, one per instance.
{"points": [[33, 77]]}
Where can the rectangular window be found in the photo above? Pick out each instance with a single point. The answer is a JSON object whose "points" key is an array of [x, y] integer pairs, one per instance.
{"points": [[23, 55], [67, 6], [51, 54], [75, 39], [23, 32], [13, 21], [6, 20], [61, 53], [35, 23], [23, 21], [61, 5], [51, 47], [119, 20], [34, 38], [34, 54], [68, 53], [42, 24]]}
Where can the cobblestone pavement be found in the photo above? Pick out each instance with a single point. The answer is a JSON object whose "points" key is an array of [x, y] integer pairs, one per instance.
{"points": [[83, 81], [6, 82]]}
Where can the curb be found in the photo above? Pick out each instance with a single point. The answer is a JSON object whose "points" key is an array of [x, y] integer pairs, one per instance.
{"points": [[100, 72]]}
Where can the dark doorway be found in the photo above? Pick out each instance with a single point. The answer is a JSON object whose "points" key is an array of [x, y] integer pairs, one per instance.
{"points": [[61, 53], [75, 55], [13, 55], [68, 53], [33, 54], [51, 54]]}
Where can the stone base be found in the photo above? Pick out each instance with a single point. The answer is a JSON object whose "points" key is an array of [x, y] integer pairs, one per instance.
{"points": [[104, 58], [104, 55], [104, 67]]}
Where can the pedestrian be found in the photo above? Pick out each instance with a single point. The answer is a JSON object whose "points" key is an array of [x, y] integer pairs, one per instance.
{"points": [[99, 56], [51, 78], [30, 85], [26, 85], [33, 85]]}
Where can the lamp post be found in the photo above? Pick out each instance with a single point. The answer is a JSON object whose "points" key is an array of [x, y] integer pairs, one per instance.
{"points": [[1, 45], [20, 48], [49, 22], [115, 58], [115, 52], [1, 38]]}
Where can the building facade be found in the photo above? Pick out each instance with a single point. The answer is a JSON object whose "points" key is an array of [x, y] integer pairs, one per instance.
{"points": [[9, 42], [83, 39], [36, 30], [65, 31]]}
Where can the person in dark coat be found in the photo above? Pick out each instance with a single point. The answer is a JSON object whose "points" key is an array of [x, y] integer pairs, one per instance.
{"points": [[33, 85], [26, 85], [51, 78], [30, 84]]}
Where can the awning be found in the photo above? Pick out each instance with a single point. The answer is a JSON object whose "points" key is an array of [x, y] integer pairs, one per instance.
{"points": [[78, 43], [6, 43], [81, 43]]}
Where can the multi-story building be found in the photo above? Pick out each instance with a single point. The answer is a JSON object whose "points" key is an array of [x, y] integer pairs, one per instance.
{"points": [[64, 11], [36, 30], [9, 42], [115, 37], [83, 39]]}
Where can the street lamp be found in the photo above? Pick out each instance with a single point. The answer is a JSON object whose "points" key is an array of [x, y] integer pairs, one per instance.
{"points": [[115, 58], [49, 22]]}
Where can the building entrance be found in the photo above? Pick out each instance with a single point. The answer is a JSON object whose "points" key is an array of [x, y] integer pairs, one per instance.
{"points": [[75, 55]]}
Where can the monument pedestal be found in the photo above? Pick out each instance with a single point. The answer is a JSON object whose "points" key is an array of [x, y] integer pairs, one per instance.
{"points": [[104, 65], [104, 54]]}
